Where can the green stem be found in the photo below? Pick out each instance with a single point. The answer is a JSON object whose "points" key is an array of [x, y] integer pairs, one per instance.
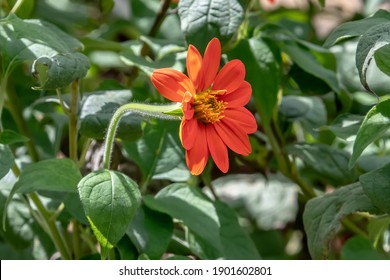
{"points": [[73, 111], [145, 183], [48, 222], [286, 167], [16, 111], [17, 5], [142, 109], [58, 240], [76, 240], [3, 94]]}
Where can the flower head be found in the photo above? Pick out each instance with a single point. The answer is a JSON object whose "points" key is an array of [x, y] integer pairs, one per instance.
{"points": [[214, 117]]}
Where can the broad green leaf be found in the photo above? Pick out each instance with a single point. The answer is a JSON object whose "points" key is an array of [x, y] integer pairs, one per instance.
{"points": [[8, 137], [60, 70], [263, 72], [242, 247], [309, 110], [97, 110], [60, 175], [110, 200], [359, 248], [356, 28], [191, 207], [270, 202], [214, 231], [22, 40], [376, 185], [159, 153], [375, 124], [151, 232], [322, 216], [16, 229], [74, 207], [329, 164], [127, 249], [201, 20], [316, 61], [345, 126], [305, 59], [382, 59], [6, 160], [371, 41]]}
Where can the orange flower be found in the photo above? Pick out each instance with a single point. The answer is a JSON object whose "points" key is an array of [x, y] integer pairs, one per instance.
{"points": [[214, 116]]}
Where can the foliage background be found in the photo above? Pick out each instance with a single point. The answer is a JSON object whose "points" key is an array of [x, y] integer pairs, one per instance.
{"points": [[315, 186]]}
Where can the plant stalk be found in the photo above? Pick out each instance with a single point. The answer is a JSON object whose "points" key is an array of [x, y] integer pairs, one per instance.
{"points": [[142, 109]]}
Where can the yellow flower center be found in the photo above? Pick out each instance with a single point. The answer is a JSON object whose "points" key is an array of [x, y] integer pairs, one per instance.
{"points": [[207, 107]]}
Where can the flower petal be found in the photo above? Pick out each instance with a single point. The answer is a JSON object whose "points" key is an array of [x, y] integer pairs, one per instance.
{"points": [[217, 149], [231, 76], [211, 60], [197, 157], [188, 132], [194, 65], [233, 136], [171, 83], [243, 118], [240, 97]]}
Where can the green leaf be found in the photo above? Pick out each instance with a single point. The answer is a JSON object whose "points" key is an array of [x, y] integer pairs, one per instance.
{"points": [[151, 232], [322, 216], [74, 207], [16, 229], [263, 72], [371, 41], [382, 59], [359, 248], [345, 126], [376, 185], [126, 248], [193, 208], [270, 202], [202, 20], [356, 28], [97, 110], [242, 248], [375, 124], [60, 70], [8, 137], [159, 153], [110, 200], [212, 225], [6, 160], [309, 110], [22, 40], [305, 59], [60, 175], [328, 163]]}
